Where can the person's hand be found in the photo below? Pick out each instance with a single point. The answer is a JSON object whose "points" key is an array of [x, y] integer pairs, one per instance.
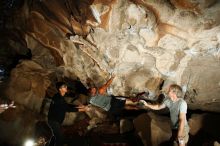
{"points": [[82, 108], [11, 105], [112, 74], [181, 140], [4, 107], [144, 103]]}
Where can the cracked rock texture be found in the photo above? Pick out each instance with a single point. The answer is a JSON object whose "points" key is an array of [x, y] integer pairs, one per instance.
{"points": [[143, 42]]}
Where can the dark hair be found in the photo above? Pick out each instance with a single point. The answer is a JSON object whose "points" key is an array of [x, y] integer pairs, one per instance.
{"points": [[59, 84]]}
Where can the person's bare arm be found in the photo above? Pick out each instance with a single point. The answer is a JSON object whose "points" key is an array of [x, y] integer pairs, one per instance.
{"points": [[182, 117], [82, 108], [151, 106], [102, 90]]}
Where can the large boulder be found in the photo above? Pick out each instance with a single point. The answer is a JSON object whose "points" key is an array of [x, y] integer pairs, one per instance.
{"points": [[28, 84], [204, 129], [153, 129], [17, 125]]}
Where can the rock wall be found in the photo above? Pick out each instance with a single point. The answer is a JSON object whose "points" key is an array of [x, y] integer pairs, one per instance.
{"points": [[28, 84], [142, 42]]}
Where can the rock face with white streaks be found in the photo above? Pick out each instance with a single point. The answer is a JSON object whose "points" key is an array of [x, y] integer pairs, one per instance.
{"points": [[142, 42]]}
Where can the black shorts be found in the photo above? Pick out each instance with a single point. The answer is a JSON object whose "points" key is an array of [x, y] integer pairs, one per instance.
{"points": [[117, 105]]}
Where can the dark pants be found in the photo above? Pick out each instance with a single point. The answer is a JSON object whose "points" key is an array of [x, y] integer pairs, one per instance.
{"points": [[56, 127], [117, 106]]}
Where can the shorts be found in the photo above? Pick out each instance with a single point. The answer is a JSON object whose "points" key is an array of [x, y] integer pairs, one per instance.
{"points": [[117, 105]]}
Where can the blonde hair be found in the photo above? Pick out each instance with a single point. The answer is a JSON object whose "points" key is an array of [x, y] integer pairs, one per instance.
{"points": [[176, 89]]}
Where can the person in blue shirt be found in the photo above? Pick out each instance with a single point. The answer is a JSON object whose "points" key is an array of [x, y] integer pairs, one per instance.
{"points": [[112, 104]]}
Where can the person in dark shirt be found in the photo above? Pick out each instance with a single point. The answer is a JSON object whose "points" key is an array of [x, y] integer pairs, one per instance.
{"points": [[57, 110]]}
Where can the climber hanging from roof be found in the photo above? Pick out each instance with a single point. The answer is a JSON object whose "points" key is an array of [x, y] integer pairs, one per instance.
{"points": [[110, 103]]}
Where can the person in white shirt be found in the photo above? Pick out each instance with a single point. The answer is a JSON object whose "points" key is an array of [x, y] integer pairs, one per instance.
{"points": [[178, 109]]}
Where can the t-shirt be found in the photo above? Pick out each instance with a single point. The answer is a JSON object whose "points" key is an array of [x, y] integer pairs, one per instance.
{"points": [[58, 108], [175, 108], [102, 101]]}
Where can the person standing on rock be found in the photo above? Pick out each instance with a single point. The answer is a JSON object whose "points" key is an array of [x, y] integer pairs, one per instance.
{"points": [[178, 109], [57, 110]]}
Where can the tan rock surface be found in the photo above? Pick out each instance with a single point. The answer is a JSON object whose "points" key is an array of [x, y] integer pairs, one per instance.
{"points": [[28, 84], [142, 42], [152, 129]]}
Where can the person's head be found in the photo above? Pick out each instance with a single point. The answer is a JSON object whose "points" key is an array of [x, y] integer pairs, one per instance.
{"points": [[61, 87], [92, 91], [175, 91]]}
